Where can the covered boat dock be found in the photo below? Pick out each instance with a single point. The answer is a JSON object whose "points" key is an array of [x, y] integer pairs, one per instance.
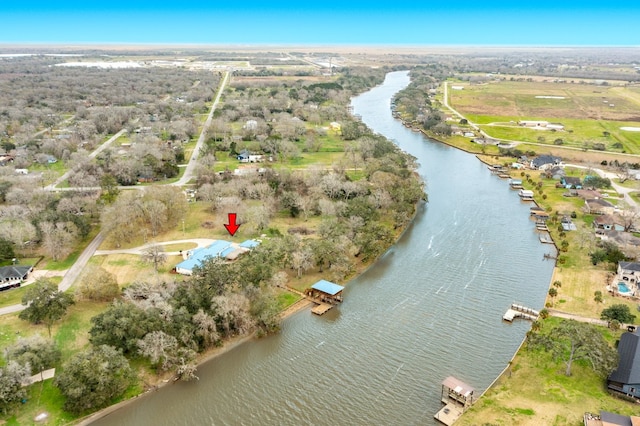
{"points": [[326, 294]]}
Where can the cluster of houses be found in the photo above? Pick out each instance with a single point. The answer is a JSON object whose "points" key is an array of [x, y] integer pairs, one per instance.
{"points": [[610, 222]]}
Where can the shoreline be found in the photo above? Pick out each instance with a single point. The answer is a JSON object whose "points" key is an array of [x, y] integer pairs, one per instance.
{"points": [[204, 358], [233, 342]]}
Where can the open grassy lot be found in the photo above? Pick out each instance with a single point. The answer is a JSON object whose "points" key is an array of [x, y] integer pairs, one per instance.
{"points": [[70, 335], [590, 113], [535, 391]]}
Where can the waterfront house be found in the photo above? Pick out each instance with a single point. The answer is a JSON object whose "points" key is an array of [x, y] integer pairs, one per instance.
{"points": [[628, 271], [626, 378], [586, 194], [544, 162], [555, 172], [571, 182], [599, 206], [608, 222], [222, 249]]}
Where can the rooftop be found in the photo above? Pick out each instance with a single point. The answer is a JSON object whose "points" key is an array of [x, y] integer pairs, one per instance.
{"points": [[327, 287]]}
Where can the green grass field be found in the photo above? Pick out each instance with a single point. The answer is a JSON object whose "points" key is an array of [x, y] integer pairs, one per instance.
{"points": [[535, 391], [585, 110]]}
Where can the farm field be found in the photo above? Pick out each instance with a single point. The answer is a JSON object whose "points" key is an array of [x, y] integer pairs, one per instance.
{"points": [[590, 114]]}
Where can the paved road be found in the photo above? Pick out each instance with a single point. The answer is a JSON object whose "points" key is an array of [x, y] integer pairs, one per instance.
{"points": [[74, 272], [97, 151], [188, 172], [201, 242], [70, 276], [618, 188]]}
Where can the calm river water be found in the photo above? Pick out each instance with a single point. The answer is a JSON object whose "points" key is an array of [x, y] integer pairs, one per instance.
{"points": [[430, 307]]}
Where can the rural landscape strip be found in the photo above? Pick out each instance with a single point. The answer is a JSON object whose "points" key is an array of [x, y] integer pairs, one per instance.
{"points": [[282, 163]]}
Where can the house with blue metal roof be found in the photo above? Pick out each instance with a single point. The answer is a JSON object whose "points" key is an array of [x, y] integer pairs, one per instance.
{"points": [[218, 249]]}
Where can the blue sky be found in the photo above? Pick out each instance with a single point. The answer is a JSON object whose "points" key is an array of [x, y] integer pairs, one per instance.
{"points": [[399, 22]]}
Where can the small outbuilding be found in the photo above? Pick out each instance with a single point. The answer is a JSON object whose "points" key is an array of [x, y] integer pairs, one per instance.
{"points": [[326, 292]]}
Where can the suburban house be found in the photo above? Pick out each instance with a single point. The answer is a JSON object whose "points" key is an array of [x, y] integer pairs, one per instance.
{"points": [[599, 206], [13, 276], [588, 194], [246, 157], [571, 182], [544, 162], [608, 222], [220, 248], [628, 271], [626, 378], [610, 419], [555, 172]]}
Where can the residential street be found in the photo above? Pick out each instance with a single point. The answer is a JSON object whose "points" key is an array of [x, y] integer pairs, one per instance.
{"points": [[188, 173]]}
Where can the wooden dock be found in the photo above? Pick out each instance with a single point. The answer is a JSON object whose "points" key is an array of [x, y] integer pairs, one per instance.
{"points": [[519, 311], [321, 309], [546, 239], [542, 227], [449, 413], [456, 396]]}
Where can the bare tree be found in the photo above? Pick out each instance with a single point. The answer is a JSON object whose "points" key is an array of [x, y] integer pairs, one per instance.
{"points": [[302, 260], [630, 216], [624, 172], [155, 255], [58, 238]]}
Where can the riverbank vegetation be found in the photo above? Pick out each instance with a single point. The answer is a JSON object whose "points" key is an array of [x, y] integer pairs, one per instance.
{"points": [[325, 199]]}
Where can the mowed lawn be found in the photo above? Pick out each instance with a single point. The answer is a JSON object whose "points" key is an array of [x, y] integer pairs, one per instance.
{"points": [[535, 391], [587, 111]]}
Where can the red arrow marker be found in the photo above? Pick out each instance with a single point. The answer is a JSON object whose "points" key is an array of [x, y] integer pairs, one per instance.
{"points": [[232, 227]]}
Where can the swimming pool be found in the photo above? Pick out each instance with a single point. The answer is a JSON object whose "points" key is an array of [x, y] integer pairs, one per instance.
{"points": [[624, 290]]}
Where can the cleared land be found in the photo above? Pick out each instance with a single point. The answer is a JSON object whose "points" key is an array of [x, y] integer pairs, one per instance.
{"points": [[590, 113]]}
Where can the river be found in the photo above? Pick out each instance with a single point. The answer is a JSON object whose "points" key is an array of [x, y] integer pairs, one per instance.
{"points": [[431, 307]]}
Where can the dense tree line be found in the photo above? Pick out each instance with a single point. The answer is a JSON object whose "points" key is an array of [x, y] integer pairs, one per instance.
{"points": [[414, 103], [65, 112]]}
